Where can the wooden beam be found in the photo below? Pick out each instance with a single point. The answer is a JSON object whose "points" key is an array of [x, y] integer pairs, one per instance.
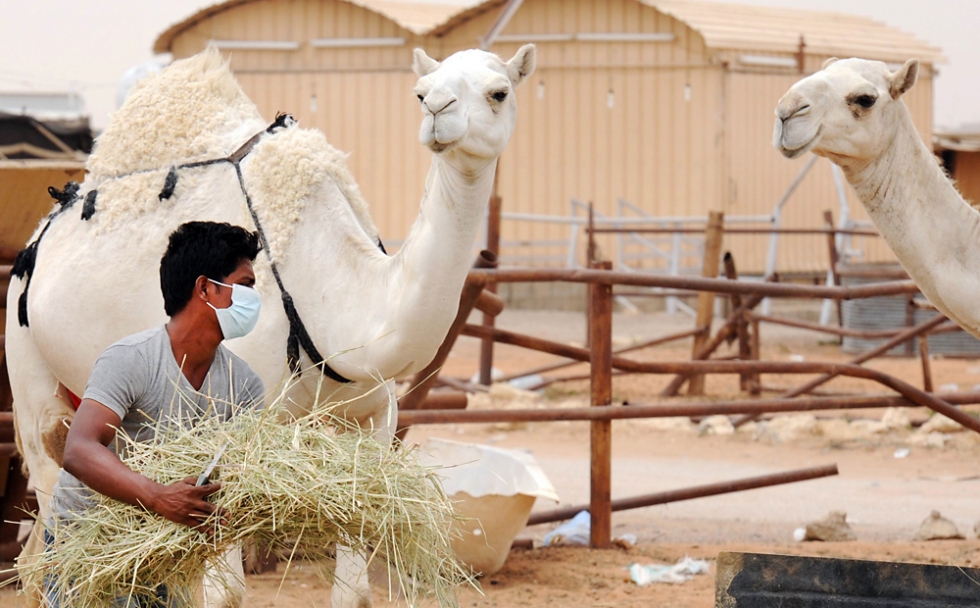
{"points": [[600, 330], [706, 300]]}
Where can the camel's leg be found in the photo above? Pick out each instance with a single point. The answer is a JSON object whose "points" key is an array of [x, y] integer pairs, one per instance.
{"points": [[41, 416], [351, 588], [224, 587]]}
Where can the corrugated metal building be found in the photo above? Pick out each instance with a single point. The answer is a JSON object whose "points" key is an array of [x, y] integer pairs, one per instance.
{"points": [[667, 104]]}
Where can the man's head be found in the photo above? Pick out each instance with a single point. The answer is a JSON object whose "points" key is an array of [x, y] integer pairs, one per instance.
{"points": [[199, 251]]}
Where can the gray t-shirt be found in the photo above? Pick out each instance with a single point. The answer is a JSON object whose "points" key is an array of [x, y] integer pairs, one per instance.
{"points": [[140, 381]]}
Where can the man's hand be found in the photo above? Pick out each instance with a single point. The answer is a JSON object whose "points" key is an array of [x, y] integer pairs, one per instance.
{"points": [[183, 502], [88, 458]]}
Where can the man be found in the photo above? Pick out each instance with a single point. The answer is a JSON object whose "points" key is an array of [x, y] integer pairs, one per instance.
{"points": [[178, 370]]}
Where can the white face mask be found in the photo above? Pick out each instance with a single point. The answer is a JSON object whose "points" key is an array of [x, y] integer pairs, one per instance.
{"points": [[241, 317]]}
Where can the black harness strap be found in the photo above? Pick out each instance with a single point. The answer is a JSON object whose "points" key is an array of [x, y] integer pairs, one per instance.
{"points": [[298, 336], [27, 257]]}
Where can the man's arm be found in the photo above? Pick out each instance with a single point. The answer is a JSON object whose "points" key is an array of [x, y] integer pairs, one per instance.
{"points": [[88, 458]]}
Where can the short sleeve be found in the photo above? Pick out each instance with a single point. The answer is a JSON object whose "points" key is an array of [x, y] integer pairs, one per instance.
{"points": [[118, 380], [252, 395]]}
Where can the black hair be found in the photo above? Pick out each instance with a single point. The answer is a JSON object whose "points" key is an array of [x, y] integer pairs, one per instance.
{"points": [[210, 249]]}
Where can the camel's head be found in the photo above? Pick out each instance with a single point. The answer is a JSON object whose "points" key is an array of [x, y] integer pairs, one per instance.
{"points": [[468, 100], [848, 112]]}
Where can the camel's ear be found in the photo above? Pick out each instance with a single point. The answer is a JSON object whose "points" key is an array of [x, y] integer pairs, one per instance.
{"points": [[424, 64], [903, 79], [829, 61], [522, 64]]}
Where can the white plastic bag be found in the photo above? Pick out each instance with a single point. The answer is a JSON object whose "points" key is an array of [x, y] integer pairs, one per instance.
{"points": [[681, 572]]}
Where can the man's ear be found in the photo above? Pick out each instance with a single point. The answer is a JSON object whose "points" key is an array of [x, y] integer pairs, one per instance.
{"points": [[201, 287]]}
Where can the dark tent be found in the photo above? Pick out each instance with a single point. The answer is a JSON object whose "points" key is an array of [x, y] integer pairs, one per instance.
{"points": [[24, 137]]}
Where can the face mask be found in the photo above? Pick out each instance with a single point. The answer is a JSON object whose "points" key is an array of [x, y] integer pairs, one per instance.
{"points": [[239, 318]]}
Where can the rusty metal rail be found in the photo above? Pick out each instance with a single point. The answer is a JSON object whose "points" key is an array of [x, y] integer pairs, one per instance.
{"points": [[764, 289], [714, 489], [681, 335], [690, 410], [814, 231]]}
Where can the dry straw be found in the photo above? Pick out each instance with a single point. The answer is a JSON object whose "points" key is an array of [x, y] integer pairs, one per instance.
{"points": [[306, 485]]}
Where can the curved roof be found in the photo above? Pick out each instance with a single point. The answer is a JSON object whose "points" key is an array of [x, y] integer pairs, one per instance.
{"points": [[723, 26], [418, 17], [734, 26]]}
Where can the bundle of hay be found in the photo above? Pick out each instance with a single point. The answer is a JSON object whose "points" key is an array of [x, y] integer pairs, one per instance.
{"points": [[306, 485]]}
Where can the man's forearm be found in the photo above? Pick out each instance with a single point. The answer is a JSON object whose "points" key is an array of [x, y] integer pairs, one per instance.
{"points": [[101, 470]]}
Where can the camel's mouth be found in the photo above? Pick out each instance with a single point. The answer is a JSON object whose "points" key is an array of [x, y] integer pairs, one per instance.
{"points": [[798, 151], [438, 147]]}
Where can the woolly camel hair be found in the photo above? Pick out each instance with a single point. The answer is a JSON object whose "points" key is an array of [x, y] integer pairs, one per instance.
{"points": [[851, 112], [374, 317]]}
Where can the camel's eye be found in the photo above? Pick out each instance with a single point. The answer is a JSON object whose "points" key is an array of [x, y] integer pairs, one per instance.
{"points": [[865, 101], [499, 96]]}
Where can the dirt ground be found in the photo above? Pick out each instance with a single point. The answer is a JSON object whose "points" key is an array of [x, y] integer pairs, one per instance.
{"points": [[891, 475]]}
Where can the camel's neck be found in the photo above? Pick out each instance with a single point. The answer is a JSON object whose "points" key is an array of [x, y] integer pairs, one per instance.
{"points": [[452, 209], [438, 252], [934, 233]]}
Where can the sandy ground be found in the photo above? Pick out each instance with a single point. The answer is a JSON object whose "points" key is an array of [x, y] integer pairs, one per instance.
{"points": [[885, 493]]}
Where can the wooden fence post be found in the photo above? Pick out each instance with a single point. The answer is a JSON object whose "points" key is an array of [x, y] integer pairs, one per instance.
{"points": [[828, 220], [600, 329], [706, 300], [744, 348], [493, 245]]}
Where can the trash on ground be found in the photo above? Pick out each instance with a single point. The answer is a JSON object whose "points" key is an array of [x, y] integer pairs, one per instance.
{"points": [[684, 570], [832, 528], [526, 382], [902, 452], [573, 532], [937, 527], [716, 425], [578, 530]]}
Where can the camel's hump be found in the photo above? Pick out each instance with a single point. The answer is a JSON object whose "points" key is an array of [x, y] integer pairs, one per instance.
{"points": [[192, 110]]}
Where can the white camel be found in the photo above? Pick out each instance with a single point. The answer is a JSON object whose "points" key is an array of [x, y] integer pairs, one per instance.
{"points": [[95, 280], [851, 112]]}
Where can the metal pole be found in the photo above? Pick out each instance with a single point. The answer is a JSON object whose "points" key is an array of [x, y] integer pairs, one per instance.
{"points": [[926, 366], [600, 330], [742, 329], [881, 349], [675, 267], [724, 332], [756, 407], [765, 289], [714, 489], [648, 344]]}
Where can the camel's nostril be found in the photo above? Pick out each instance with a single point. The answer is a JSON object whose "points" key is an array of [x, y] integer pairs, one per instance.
{"points": [[438, 105]]}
